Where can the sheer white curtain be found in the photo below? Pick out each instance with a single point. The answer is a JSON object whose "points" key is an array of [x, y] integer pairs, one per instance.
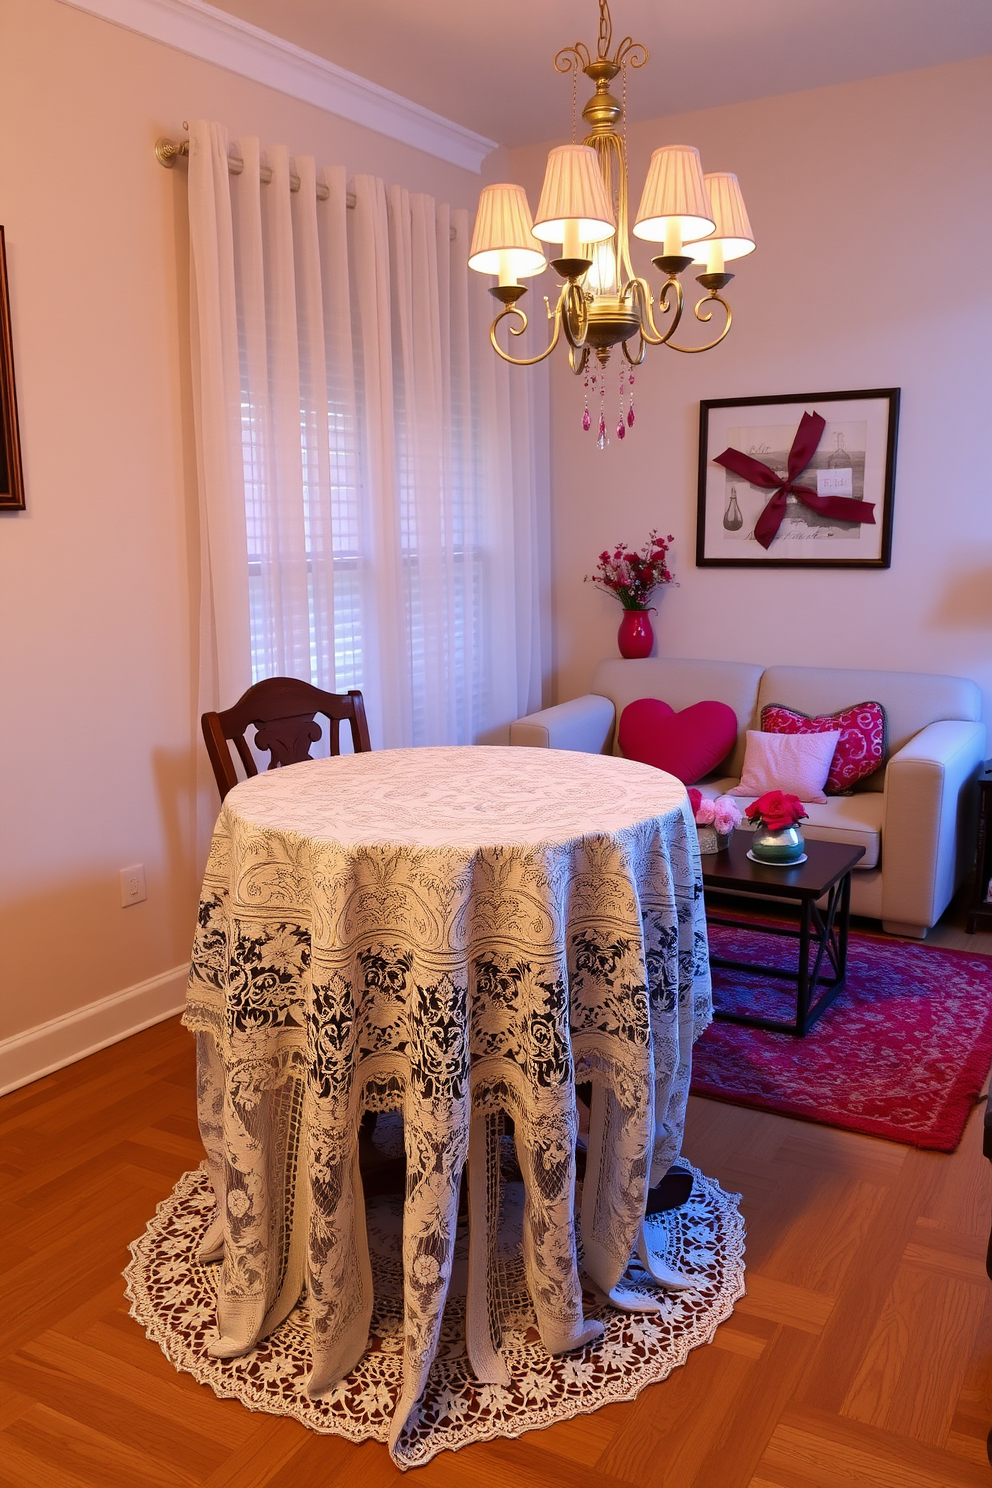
{"points": [[372, 477]]}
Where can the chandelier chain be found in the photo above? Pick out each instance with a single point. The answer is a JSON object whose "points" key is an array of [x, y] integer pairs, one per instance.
{"points": [[605, 29]]}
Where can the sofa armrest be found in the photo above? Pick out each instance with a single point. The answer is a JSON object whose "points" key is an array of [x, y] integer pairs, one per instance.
{"points": [[584, 724], [928, 826]]}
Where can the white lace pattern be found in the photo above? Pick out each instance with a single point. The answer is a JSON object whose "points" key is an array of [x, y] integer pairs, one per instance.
{"points": [[173, 1295], [456, 934]]}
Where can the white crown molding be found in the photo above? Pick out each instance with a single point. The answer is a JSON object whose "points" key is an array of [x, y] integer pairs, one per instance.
{"points": [[49, 1046], [214, 36]]}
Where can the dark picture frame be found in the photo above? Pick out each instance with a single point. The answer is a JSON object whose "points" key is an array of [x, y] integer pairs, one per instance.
{"points": [[11, 472], [855, 458]]}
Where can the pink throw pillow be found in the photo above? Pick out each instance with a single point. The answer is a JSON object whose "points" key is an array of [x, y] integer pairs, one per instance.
{"points": [[861, 746], [688, 744], [796, 764]]}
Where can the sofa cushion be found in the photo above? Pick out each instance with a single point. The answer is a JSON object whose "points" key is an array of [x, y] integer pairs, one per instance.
{"points": [[795, 763], [681, 682], [861, 746], [718, 785], [688, 744], [911, 699]]}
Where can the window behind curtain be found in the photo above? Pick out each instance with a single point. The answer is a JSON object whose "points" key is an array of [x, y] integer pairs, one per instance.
{"points": [[465, 636], [372, 480]]}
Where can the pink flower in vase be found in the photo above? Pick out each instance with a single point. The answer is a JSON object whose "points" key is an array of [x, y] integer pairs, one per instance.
{"points": [[727, 816]]}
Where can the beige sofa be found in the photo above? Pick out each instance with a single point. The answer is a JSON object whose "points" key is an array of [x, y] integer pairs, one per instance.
{"points": [[914, 817]]}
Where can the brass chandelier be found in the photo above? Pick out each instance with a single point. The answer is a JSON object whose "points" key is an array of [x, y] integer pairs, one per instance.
{"points": [[602, 303]]}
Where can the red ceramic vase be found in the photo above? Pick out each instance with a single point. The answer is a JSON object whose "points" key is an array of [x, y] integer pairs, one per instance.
{"points": [[635, 636]]}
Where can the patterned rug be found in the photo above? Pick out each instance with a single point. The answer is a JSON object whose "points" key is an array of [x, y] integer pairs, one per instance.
{"points": [[903, 1053], [173, 1296]]}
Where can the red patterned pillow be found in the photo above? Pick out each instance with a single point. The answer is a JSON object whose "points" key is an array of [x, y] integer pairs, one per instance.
{"points": [[860, 748]]}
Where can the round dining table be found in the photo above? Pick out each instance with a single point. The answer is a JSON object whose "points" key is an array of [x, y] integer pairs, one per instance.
{"points": [[463, 934]]}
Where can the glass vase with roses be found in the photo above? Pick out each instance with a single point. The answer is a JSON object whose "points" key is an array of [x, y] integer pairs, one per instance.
{"points": [[777, 838]]}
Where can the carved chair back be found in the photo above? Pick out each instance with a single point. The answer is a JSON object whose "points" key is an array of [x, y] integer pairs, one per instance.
{"points": [[283, 711]]}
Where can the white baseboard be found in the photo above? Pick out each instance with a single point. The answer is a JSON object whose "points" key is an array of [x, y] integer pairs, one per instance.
{"points": [[49, 1046]]}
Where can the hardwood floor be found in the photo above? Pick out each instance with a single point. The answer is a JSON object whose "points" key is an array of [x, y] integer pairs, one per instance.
{"points": [[861, 1354]]}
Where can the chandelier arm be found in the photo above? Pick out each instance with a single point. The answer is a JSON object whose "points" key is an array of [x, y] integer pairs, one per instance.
{"points": [[642, 347], [573, 58], [641, 293], [578, 359], [691, 350], [519, 330], [573, 312], [634, 53]]}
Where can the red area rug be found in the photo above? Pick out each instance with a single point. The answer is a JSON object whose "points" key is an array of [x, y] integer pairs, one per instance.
{"points": [[903, 1052]]}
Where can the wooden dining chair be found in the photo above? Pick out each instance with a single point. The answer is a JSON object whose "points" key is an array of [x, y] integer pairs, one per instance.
{"points": [[283, 711]]}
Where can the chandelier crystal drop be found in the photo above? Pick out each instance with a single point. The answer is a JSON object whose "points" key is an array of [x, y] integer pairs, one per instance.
{"points": [[699, 219]]}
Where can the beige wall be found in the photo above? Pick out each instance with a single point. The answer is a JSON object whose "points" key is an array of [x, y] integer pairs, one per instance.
{"points": [[97, 679], [872, 206], [97, 684]]}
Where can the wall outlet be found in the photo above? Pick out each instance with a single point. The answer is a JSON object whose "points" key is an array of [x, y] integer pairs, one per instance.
{"points": [[133, 885]]}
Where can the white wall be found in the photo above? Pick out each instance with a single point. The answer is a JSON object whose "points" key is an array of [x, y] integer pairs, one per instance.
{"points": [[872, 207], [97, 687]]}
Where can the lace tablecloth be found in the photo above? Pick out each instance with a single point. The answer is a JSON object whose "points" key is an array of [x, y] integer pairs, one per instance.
{"points": [[457, 933]]}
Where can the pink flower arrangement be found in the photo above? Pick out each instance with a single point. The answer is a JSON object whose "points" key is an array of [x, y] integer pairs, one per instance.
{"points": [[776, 810], [723, 814], [632, 576]]}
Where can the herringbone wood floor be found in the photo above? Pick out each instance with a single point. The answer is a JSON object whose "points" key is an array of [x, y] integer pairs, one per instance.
{"points": [[861, 1354]]}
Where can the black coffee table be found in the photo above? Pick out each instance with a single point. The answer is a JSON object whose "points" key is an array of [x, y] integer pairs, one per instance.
{"points": [[827, 871]]}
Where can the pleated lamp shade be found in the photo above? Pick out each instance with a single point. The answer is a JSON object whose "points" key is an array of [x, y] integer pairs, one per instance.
{"points": [[674, 189], [733, 230], [574, 191], [503, 238]]}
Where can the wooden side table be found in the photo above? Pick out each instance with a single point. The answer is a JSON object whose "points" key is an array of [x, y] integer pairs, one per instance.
{"points": [[827, 871], [980, 910]]}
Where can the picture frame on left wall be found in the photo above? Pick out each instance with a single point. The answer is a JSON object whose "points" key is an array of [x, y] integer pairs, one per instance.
{"points": [[11, 472]]}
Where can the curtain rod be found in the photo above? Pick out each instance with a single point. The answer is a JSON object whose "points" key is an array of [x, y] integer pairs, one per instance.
{"points": [[168, 151]]}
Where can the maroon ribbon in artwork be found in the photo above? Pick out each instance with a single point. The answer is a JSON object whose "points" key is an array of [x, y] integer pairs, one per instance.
{"points": [[804, 447]]}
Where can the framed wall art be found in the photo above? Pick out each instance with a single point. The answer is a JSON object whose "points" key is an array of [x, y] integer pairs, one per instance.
{"points": [[801, 480], [11, 477]]}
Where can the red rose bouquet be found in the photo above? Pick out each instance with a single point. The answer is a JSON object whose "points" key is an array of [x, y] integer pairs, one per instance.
{"points": [[775, 811], [632, 576]]}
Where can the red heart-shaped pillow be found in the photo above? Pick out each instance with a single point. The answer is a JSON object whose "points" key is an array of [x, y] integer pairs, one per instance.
{"points": [[688, 744]]}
